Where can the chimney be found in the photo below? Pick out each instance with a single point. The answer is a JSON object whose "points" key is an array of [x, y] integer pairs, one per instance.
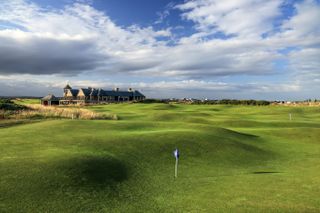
{"points": [[130, 90], [116, 89]]}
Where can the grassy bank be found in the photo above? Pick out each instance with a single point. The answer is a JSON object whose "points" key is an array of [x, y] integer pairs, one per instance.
{"points": [[233, 159], [17, 110]]}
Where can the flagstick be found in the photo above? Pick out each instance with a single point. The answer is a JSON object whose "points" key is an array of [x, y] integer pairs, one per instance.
{"points": [[176, 169]]}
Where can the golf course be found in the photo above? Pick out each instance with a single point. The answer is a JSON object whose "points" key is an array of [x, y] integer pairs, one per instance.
{"points": [[232, 159]]}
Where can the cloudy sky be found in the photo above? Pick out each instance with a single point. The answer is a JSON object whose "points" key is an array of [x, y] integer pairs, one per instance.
{"points": [[165, 48]]}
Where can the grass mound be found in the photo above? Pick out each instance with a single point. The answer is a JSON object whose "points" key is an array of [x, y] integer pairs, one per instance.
{"points": [[92, 171], [6, 104]]}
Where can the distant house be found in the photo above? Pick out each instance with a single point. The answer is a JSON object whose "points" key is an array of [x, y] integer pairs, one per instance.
{"points": [[92, 95], [50, 100]]}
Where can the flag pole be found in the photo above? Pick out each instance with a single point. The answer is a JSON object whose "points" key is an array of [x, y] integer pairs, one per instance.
{"points": [[176, 155], [176, 169]]}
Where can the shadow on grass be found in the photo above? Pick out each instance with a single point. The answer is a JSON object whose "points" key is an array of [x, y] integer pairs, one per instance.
{"points": [[215, 110], [265, 172], [12, 123], [99, 171]]}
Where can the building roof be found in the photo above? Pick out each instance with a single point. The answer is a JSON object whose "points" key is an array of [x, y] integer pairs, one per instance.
{"points": [[50, 97], [101, 92], [94, 92], [86, 91], [74, 92], [137, 93], [115, 93], [121, 93], [67, 87]]}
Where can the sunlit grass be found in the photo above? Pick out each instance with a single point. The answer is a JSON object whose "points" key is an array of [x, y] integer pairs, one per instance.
{"points": [[37, 111]]}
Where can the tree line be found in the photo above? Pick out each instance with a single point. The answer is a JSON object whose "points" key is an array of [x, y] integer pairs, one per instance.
{"points": [[209, 102]]}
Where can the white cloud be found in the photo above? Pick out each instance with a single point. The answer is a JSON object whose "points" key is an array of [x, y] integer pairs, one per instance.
{"points": [[306, 22], [67, 38], [137, 50], [306, 65], [81, 41], [241, 17], [25, 52]]}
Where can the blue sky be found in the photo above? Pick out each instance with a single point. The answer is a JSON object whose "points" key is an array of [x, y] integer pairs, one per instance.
{"points": [[123, 12], [183, 48]]}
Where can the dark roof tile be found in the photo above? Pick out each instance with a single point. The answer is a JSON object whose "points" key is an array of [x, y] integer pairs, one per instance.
{"points": [[50, 97], [74, 92]]}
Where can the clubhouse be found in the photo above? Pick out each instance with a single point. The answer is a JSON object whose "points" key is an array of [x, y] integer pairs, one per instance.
{"points": [[92, 96]]}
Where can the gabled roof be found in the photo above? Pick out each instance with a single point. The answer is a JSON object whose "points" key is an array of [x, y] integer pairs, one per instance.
{"points": [[67, 87], [50, 97], [137, 93], [94, 92], [74, 92], [86, 91], [100, 92]]}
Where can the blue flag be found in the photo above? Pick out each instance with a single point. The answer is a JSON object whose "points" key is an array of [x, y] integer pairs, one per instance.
{"points": [[176, 153]]}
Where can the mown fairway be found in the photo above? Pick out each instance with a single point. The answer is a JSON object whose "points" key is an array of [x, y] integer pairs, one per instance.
{"points": [[233, 159]]}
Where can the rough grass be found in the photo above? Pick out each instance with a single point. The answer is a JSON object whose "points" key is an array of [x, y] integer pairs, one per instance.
{"points": [[37, 111], [233, 159]]}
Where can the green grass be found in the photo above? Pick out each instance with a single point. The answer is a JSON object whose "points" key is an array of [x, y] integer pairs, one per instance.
{"points": [[27, 101], [233, 159]]}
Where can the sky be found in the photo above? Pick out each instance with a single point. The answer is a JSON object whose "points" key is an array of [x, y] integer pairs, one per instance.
{"points": [[237, 49]]}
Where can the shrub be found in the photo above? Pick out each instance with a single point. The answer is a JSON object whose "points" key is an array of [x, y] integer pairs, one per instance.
{"points": [[6, 104]]}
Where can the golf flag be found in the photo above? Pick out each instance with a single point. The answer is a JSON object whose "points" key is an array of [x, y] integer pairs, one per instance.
{"points": [[176, 155]]}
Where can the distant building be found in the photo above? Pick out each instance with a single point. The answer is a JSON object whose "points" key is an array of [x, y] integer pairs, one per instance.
{"points": [[50, 100], [92, 95]]}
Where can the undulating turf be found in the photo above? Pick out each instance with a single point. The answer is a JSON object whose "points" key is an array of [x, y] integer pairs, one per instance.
{"points": [[27, 101], [233, 159]]}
